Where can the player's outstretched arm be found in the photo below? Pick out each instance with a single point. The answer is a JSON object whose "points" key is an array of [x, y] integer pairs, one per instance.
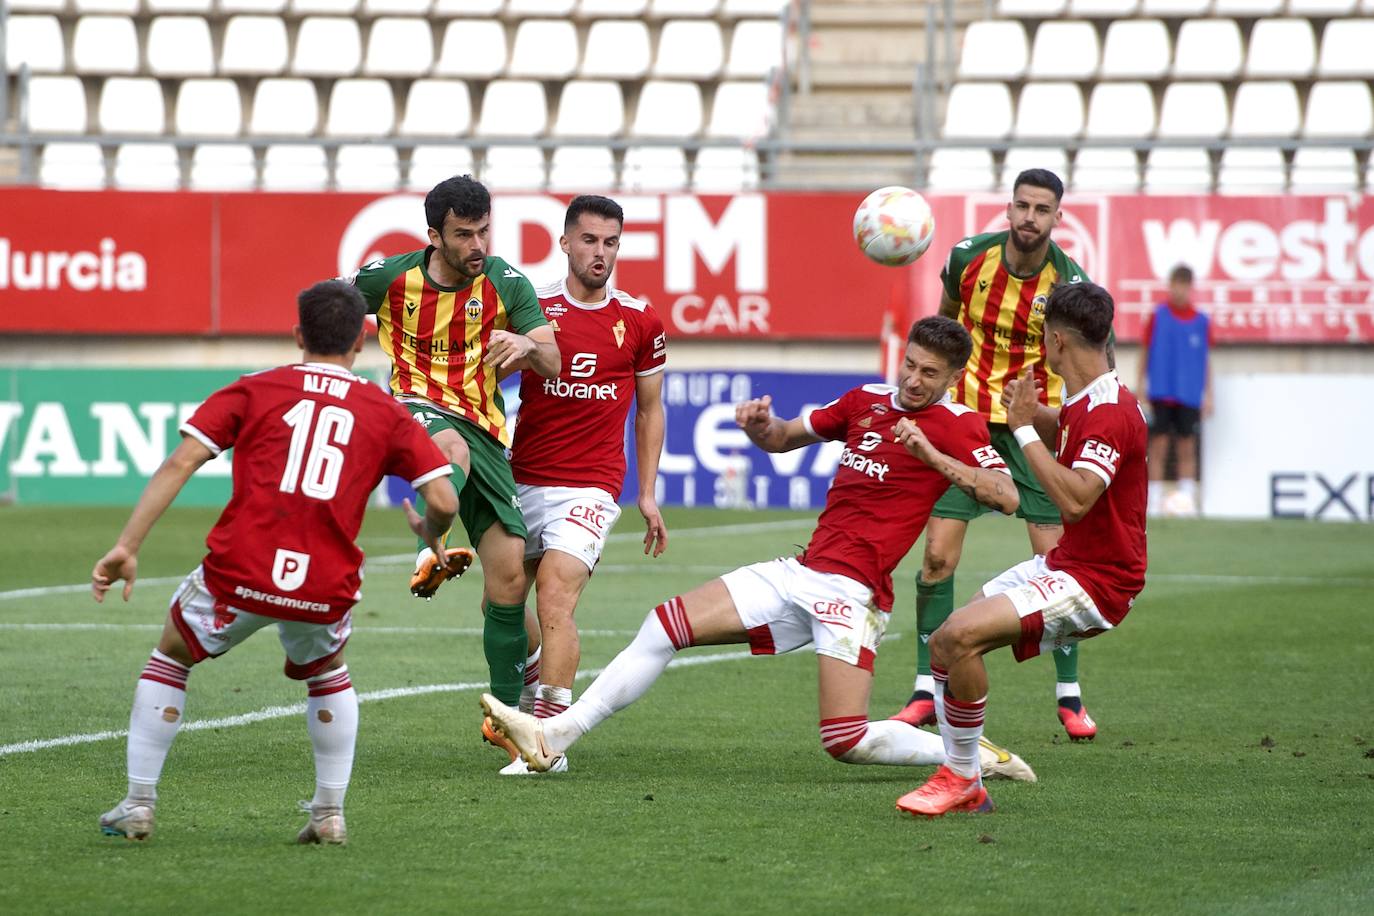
{"points": [[536, 351], [1046, 420], [992, 488], [770, 433], [1072, 490], [949, 306], [649, 432], [121, 562]]}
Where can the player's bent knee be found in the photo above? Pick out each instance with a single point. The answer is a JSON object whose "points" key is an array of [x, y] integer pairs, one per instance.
{"points": [[841, 736]]}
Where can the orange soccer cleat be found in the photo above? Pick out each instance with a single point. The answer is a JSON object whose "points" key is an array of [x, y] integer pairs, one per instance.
{"points": [[944, 792], [491, 736], [429, 575]]}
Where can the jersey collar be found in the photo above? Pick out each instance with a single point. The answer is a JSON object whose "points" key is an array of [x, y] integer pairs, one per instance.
{"points": [[1081, 393], [588, 306], [324, 367]]}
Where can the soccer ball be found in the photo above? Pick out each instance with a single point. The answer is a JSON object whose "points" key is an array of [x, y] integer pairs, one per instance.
{"points": [[894, 226]]}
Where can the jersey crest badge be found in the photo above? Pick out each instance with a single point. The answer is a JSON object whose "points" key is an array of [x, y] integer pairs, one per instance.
{"points": [[618, 329], [865, 423], [1038, 305], [554, 324], [1063, 438], [474, 309]]}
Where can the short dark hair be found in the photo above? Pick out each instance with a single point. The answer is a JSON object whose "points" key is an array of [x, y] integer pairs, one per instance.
{"points": [[944, 336], [331, 316], [1084, 307], [1181, 274], [462, 194], [594, 204], [1041, 178]]}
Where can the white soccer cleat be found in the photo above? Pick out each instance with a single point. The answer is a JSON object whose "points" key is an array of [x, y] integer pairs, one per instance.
{"points": [[523, 730], [518, 767], [326, 825], [130, 819], [1000, 763]]}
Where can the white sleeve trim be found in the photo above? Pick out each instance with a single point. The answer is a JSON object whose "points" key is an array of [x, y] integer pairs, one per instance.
{"points": [[200, 437], [441, 471], [806, 422], [654, 371], [1096, 469], [1002, 470]]}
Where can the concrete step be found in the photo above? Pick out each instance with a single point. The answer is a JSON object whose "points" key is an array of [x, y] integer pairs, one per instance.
{"points": [[857, 171], [866, 46], [825, 110]]}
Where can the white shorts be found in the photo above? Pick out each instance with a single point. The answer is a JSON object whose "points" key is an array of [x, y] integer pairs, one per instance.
{"points": [[783, 606], [575, 520], [211, 628], [1054, 609]]}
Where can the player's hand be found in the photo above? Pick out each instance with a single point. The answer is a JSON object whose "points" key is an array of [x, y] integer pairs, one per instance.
{"points": [[753, 416], [655, 532], [1009, 390], [118, 564], [1024, 401], [914, 440], [504, 349], [417, 524]]}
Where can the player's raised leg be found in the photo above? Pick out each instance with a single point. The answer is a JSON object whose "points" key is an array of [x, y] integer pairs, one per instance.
{"points": [[934, 604], [429, 573]]}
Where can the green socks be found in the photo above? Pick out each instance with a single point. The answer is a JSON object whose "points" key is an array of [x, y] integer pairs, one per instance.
{"points": [[504, 642], [934, 604], [1066, 664], [458, 478]]}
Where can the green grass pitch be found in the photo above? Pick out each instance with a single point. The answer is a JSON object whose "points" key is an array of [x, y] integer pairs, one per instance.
{"points": [[1233, 772]]}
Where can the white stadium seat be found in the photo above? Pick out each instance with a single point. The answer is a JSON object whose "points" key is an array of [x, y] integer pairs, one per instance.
{"points": [[1103, 9], [180, 46], [1339, 109], [1174, 9], [979, 111], [147, 167], [399, 47], [42, 6], [1031, 9], [514, 168], [520, 8], [430, 165], [956, 169], [360, 108], [1193, 110], [327, 46], [994, 50], [653, 168], [582, 168], [1345, 48], [247, 6], [1049, 110], [72, 165], [1266, 109], [1247, 9], [1124, 110], [284, 107], [254, 46], [1102, 169], [1207, 49], [740, 110], [366, 167], [295, 167], [1247, 170], [326, 7], [132, 105], [753, 7], [1281, 47], [725, 170], [396, 7], [513, 108], [544, 49], [57, 105], [1020, 158], [223, 167], [755, 49], [472, 48], [35, 41], [668, 110], [590, 108], [1324, 170], [437, 108], [1136, 49], [177, 6], [617, 50], [208, 108], [1321, 9], [483, 8], [663, 9], [689, 49], [1174, 170], [593, 9], [1064, 50], [122, 7], [105, 44]]}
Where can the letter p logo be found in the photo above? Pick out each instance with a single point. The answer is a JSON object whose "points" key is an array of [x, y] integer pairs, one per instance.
{"points": [[289, 569]]}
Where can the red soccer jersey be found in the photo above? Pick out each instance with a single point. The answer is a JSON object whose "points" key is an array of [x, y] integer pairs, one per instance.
{"points": [[570, 431], [310, 442], [882, 495], [1101, 429]]}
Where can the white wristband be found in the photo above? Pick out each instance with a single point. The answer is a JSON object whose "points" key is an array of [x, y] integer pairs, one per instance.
{"points": [[1025, 435]]}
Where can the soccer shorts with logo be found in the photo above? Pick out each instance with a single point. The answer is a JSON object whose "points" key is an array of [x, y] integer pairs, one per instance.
{"points": [[1035, 506], [783, 606], [211, 627], [1054, 609], [488, 496], [574, 520]]}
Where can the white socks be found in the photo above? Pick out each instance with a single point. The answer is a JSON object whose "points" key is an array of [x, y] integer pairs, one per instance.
{"points": [[883, 742], [159, 706], [331, 715]]}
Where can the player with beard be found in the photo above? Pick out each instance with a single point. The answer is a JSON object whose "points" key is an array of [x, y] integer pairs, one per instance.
{"points": [[997, 285]]}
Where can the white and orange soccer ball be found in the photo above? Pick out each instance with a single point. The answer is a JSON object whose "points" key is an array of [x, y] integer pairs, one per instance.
{"points": [[894, 226]]}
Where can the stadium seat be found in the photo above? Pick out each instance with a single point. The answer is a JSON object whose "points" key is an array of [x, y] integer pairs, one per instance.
{"points": [[1282, 48], [295, 167], [483, 8], [396, 7], [35, 41], [514, 168], [430, 165], [327, 46], [254, 46], [1174, 9], [755, 49], [1049, 110], [366, 167], [689, 49], [994, 49], [1247, 170], [177, 6], [360, 108], [668, 110], [1345, 48], [594, 9], [544, 49], [664, 9], [1125, 110], [399, 47], [1321, 9], [132, 105], [513, 108], [72, 165], [105, 44], [582, 168], [147, 167], [1175, 170], [1324, 170], [437, 108], [45, 6], [223, 167], [472, 48], [247, 6], [654, 168], [1266, 109], [1020, 158], [284, 107], [82, 7], [180, 46], [1247, 9], [590, 108], [521, 8], [1064, 50], [1102, 169], [1339, 109], [1207, 49], [1193, 110], [1136, 49], [1103, 9], [740, 110], [956, 169], [208, 108], [617, 50], [725, 170], [57, 105], [979, 111], [327, 7], [1031, 9], [741, 8]]}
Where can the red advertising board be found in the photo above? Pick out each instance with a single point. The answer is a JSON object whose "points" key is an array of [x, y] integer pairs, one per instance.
{"points": [[779, 265]]}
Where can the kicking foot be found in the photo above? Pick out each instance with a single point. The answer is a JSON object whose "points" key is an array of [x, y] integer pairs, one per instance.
{"points": [[429, 575], [518, 767], [130, 819], [1077, 722], [1000, 763], [523, 731], [326, 825], [944, 792], [491, 736], [918, 711]]}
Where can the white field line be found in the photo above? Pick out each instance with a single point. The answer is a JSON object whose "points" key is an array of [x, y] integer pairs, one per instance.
{"points": [[393, 631]]}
